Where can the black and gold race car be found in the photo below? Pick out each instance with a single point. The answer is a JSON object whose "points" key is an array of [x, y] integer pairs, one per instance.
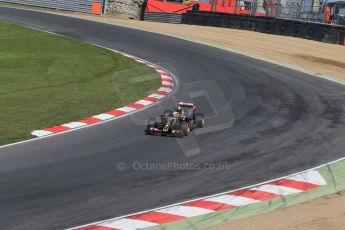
{"points": [[178, 122]]}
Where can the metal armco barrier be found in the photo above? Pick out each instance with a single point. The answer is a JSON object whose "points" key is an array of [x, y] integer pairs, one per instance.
{"points": [[287, 27], [162, 17], [83, 6]]}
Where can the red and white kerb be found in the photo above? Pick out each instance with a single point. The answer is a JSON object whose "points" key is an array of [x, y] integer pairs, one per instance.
{"points": [[166, 88], [290, 185]]}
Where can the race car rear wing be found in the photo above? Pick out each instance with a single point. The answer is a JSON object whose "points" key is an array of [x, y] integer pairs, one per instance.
{"points": [[189, 104]]}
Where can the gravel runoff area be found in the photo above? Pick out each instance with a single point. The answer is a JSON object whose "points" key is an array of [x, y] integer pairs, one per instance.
{"points": [[319, 58]]}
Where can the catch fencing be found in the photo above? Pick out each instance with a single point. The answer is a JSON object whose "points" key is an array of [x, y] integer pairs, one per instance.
{"points": [[330, 11], [83, 6]]}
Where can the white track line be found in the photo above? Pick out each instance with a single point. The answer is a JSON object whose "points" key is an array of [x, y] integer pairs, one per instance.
{"points": [[185, 211]]}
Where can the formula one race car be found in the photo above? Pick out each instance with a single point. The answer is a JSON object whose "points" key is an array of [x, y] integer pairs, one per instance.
{"points": [[178, 122]]}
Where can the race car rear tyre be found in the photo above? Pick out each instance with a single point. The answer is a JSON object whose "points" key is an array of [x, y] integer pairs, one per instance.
{"points": [[185, 128], [199, 120]]}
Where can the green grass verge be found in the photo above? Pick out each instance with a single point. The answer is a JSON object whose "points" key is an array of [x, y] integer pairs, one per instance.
{"points": [[48, 80]]}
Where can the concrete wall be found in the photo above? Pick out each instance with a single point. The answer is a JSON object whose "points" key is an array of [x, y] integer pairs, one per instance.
{"points": [[84, 6]]}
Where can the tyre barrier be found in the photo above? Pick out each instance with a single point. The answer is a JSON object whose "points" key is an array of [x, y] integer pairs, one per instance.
{"points": [[287, 27]]}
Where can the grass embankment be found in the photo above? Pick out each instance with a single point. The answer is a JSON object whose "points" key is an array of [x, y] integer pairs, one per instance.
{"points": [[47, 80]]}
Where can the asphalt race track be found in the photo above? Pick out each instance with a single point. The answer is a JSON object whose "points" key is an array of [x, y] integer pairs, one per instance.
{"points": [[263, 121]]}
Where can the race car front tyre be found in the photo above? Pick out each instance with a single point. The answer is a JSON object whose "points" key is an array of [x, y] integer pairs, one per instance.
{"points": [[199, 120], [150, 124], [185, 128]]}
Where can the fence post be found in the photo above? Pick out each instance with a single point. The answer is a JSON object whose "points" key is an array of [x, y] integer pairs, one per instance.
{"points": [[104, 6], [142, 10]]}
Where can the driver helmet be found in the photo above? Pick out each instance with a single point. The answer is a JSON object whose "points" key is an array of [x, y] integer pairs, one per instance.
{"points": [[175, 114]]}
